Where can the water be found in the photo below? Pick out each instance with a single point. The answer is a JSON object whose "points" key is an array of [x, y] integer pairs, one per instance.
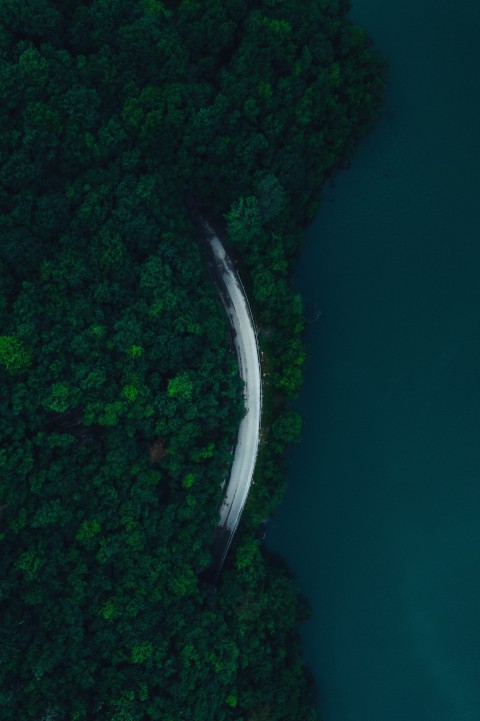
{"points": [[381, 520]]}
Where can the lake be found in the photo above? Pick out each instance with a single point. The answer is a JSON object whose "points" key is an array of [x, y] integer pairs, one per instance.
{"points": [[381, 518]]}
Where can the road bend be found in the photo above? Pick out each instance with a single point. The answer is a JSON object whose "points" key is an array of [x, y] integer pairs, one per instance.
{"points": [[236, 305]]}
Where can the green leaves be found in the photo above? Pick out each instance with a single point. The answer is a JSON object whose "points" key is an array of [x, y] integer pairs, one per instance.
{"points": [[109, 610], [14, 357], [34, 67], [272, 197], [247, 557], [244, 221], [122, 398], [231, 700], [135, 351], [50, 514], [30, 563], [88, 530], [130, 392], [59, 399], [188, 481], [111, 413], [142, 652], [180, 387], [286, 429]]}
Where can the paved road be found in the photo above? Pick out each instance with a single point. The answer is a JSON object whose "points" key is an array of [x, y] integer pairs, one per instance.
{"points": [[245, 339]]}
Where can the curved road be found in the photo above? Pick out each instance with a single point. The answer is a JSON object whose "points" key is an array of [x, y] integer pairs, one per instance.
{"points": [[245, 339]]}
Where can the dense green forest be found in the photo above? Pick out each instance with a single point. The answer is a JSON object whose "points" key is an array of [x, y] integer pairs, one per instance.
{"points": [[120, 121]]}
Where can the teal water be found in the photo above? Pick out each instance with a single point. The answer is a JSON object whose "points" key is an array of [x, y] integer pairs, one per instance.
{"points": [[381, 518]]}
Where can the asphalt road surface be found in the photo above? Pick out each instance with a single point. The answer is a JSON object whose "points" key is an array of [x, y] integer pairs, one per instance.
{"points": [[245, 340]]}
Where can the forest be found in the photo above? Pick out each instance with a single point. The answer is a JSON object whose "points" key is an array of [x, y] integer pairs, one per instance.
{"points": [[120, 122]]}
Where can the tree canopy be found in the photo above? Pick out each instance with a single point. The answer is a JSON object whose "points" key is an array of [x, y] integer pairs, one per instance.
{"points": [[120, 121]]}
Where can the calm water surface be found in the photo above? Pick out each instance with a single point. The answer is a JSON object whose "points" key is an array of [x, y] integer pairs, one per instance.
{"points": [[382, 517]]}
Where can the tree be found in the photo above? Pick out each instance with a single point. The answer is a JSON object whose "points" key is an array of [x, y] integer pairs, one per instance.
{"points": [[121, 395], [244, 221], [14, 357]]}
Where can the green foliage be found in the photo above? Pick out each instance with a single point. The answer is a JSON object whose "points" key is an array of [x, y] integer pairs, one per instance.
{"points": [[13, 355], [247, 559], [188, 481], [142, 652], [272, 197], [135, 351], [244, 221], [109, 610], [231, 700], [180, 387], [130, 392], [97, 330], [121, 396], [285, 430], [58, 399], [30, 563], [88, 530]]}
